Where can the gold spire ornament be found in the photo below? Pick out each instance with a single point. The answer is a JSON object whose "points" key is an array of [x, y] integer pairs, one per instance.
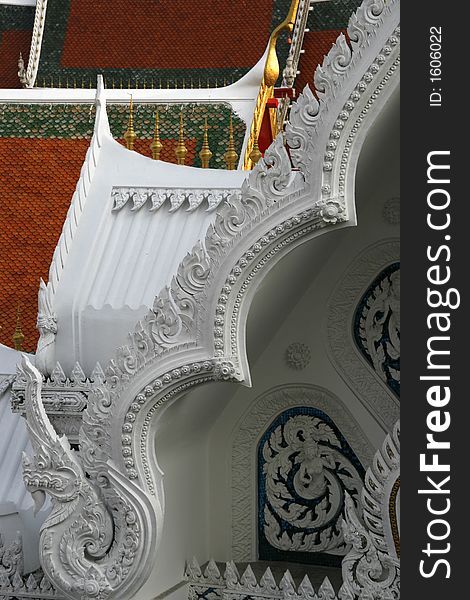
{"points": [[230, 156], [181, 149], [130, 135], [255, 154], [205, 154], [156, 146], [18, 336]]}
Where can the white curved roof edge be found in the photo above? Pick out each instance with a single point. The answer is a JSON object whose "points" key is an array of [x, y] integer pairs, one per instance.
{"points": [[245, 89]]}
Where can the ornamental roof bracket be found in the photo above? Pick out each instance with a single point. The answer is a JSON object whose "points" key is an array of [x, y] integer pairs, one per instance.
{"points": [[101, 511], [266, 91], [271, 68], [28, 76]]}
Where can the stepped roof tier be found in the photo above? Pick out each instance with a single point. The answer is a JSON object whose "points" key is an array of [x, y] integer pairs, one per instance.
{"points": [[43, 147], [44, 135]]}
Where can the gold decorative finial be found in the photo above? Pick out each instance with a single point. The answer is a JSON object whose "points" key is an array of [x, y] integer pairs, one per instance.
{"points": [[18, 337], [205, 154], [156, 146], [271, 68], [181, 149], [230, 156], [130, 135], [255, 154]]}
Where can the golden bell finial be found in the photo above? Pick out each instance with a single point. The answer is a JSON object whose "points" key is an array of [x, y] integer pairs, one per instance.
{"points": [[230, 156], [205, 154], [181, 149], [18, 337], [255, 154], [130, 135], [156, 146]]}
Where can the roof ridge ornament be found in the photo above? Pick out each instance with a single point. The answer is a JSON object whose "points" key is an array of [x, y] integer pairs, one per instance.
{"points": [[230, 156], [271, 69], [156, 146], [130, 135], [18, 335], [205, 154], [181, 150], [28, 77], [255, 154]]}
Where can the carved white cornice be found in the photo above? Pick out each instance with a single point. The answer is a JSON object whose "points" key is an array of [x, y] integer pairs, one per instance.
{"points": [[231, 584], [195, 332], [345, 356], [154, 198], [28, 76]]}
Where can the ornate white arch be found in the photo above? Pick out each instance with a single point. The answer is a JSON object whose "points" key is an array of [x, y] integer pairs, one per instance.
{"points": [[371, 390], [195, 332], [246, 436]]}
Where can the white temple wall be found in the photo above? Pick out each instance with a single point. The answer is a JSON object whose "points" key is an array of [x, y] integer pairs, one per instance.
{"points": [[288, 308]]}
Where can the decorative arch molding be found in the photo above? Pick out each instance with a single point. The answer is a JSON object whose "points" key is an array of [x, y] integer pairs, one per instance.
{"points": [[247, 434], [346, 357], [195, 332]]}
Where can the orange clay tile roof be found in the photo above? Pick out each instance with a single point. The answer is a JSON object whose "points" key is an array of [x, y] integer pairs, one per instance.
{"points": [[167, 35], [37, 180], [16, 25], [175, 42]]}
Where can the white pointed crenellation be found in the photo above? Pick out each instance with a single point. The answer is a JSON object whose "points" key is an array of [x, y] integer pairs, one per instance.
{"points": [[212, 573], [306, 590], [193, 570], [97, 375], [58, 376], [267, 582], [326, 590], [231, 576], [31, 583], [248, 580], [287, 585]]}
